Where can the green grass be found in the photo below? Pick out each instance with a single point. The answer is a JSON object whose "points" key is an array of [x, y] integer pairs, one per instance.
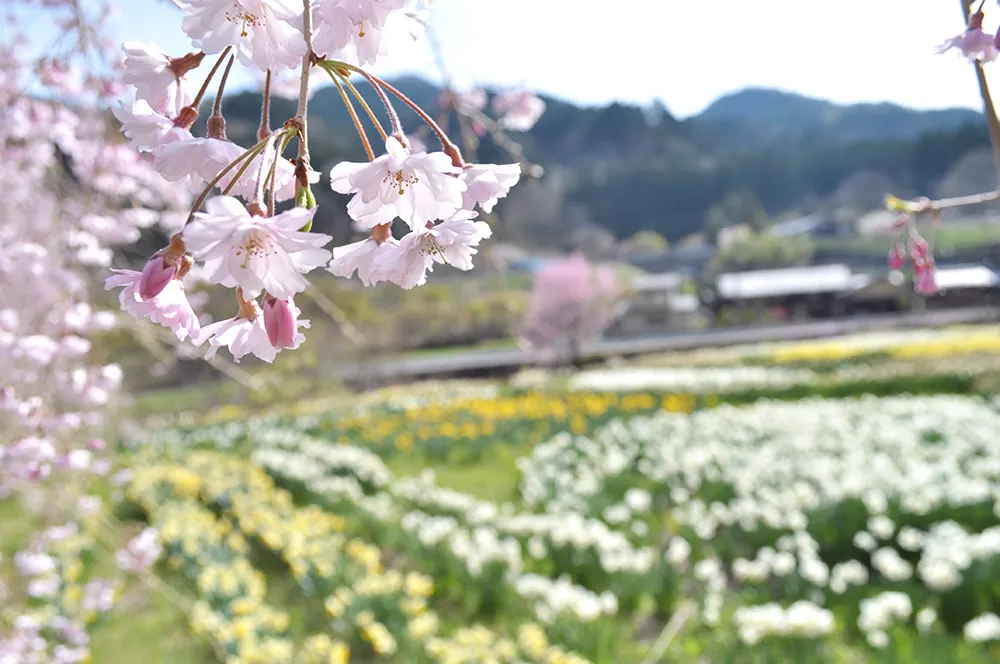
{"points": [[147, 622], [947, 239], [494, 477]]}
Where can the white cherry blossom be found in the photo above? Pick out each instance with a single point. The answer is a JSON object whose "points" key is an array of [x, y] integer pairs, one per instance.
{"points": [[487, 183], [265, 33], [417, 188], [255, 253], [148, 69], [145, 128]]}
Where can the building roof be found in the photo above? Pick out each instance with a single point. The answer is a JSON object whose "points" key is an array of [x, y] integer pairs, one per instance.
{"points": [[790, 281], [965, 276], [660, 281]]}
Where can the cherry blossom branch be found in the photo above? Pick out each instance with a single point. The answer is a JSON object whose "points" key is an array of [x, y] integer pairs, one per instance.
{"points": [[208, 79], [354, 117], [265, 109], [364, 104], [921, 205], [302, 161]]}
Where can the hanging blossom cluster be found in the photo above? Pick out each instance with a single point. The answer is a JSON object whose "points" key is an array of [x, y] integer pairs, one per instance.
{"points": [[979, 47], [911, 245], [235, 236], [71, 196]]}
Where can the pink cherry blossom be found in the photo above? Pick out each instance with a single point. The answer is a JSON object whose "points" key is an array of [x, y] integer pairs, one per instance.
{"points": [[148, 69], [262, 32], [487, 183], [897, 256], [926, 283], [519, 110], [255, 253], [417, 188], [975, 43], [170, 308]]}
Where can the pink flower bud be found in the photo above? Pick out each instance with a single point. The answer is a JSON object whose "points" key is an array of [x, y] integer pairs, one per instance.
{"points": [[926, 283], [155, 277], [280, 322], [96, 444], [896, 257]]}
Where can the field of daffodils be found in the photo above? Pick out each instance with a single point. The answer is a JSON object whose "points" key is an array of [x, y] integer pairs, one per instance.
{"points": [[810, 503]]}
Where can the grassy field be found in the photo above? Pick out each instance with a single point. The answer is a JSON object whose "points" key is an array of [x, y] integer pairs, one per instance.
{"points": [[784, 503]]}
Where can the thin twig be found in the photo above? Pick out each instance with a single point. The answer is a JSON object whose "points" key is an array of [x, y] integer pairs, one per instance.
{"points": [[336, 314], [669, 633]]}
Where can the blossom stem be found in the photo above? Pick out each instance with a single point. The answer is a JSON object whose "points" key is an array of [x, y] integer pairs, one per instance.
{"points": [[208, 79], [217, 106], [343, 69], [448, 147], [265, 109], [263, 172], [354, 117], [364, 104], [989, 109], [246, 156]]}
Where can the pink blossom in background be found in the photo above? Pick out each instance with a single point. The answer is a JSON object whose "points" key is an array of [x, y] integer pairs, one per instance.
{"points": [[571, 302], [519, 110]]}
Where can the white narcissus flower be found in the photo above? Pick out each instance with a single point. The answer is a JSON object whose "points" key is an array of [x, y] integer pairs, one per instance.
{"points": [[255, 253], [417, 188], [144, 127], [263, 32], [148, 69], [170, 308], [487, 183]]}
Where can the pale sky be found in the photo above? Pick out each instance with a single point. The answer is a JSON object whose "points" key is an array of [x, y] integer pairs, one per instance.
{"points": [[685, 53]]}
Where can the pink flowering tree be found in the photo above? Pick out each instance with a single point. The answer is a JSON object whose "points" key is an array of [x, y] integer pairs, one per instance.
{"points": [[571, 303], [73, 193], [912, 246]]}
